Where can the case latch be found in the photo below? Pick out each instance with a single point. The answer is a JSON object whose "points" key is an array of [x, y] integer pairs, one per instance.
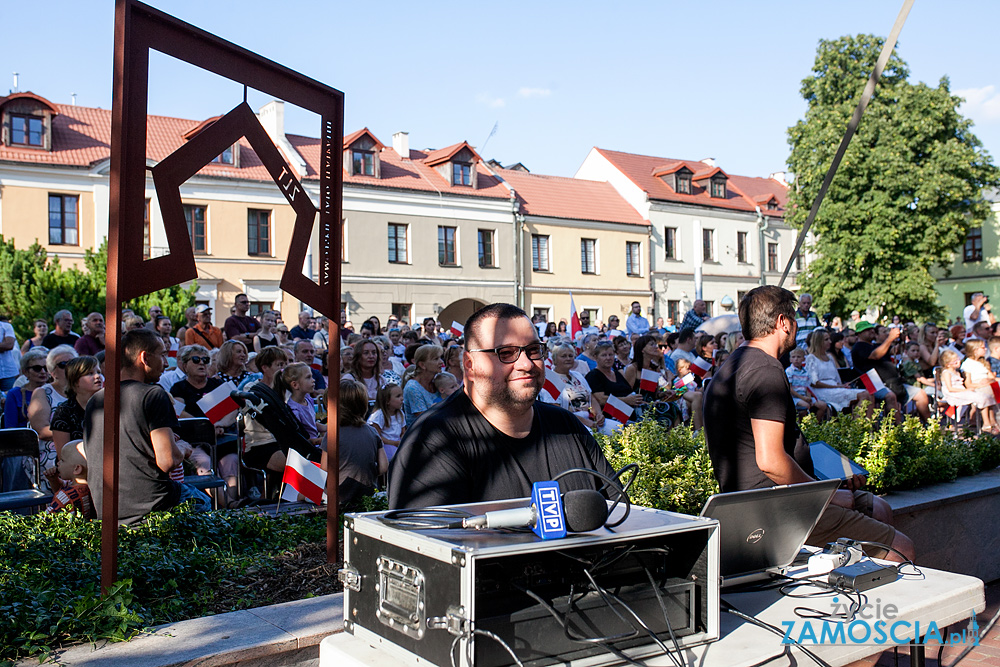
{"points": [[350, 577]]}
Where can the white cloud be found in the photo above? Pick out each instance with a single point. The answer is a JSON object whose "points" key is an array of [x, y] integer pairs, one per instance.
{"points": [[981, 104], [490, 101], [534, 92]]}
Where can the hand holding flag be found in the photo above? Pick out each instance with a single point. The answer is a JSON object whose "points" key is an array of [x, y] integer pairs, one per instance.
{"points": [[872, 382], [218, 406], [701, 367], [618, 409], [649, 380], [305, 477]]}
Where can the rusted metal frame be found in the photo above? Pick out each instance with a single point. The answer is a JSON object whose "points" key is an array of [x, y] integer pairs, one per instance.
{"points": [[139, 28]]}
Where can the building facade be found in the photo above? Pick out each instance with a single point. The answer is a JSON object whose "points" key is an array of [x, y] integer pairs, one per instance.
{"points": [[975, 266]]}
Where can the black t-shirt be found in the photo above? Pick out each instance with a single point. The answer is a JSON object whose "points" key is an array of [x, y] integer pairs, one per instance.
{"points": [[68, 418], [53, 340], [452, 454], [185, 391], [600, 383], [750, 385], [298, 333], [861, 355], [142, 486]]}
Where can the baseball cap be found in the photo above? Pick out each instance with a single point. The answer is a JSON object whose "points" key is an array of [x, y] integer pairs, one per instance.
{"points": [[202, 308], [863, 326]]}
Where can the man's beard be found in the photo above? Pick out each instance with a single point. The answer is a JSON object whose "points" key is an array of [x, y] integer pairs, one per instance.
{"points": [[501, 393], [788, 346]]}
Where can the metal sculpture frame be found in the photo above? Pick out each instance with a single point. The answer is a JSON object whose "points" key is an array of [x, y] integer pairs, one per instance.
{"points": [[138, 29]]}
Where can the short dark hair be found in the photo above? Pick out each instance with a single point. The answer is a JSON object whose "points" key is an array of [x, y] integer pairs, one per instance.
{"points": [[136, 341], [760, 307], [685, 335], [494, 311], [269, 355]]}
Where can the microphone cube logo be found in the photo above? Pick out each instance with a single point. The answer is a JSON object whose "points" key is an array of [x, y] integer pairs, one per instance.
{"points": [[551, 522]]}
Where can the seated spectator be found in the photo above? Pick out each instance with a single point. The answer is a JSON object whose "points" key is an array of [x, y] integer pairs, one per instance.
{"points": [[362, 454], [83, 380], [824, 376], [978, 378], [445, 384], [646, 356], [705, 347], [163, 327], [993, 344], [133, 322], [232, 362], [798, 381], [296, 382], [837, 349], [390, 368], [72, 466], [92, 341], [15, 407], [63, 333], [685, 346], [909, 370], [396, 339], [418, 387], [388, 418], [588, 345], [452, 359], [41, 331], [366, 367], [321, 339], [605, 381], [576, 395], [46, 399], [953, 389], [303, 330], [623, 352], [305, 352], [178, 373], [281, 335]]}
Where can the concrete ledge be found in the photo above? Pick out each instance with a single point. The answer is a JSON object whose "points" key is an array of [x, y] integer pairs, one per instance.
{"points": [[954, 526], [281, 634]]}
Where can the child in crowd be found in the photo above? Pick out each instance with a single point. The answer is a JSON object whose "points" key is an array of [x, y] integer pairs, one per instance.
{"points": [[798, 380], [388, 417], [910, 372], [445, 384], [297, 380], [953, 390], [71, 465], [978, 378], [362, 455], [692, 403]]}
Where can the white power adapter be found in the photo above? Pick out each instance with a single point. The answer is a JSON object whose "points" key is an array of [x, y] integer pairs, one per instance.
{"points": [[837, 554]]}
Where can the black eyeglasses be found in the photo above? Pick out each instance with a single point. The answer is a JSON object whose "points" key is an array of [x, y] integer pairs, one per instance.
{"points": [[200, 360], [38, 369], [664, 347], [62, 364], [508, 354]]}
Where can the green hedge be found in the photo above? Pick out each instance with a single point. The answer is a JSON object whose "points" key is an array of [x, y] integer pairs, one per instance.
{"points": [[676, 473]]}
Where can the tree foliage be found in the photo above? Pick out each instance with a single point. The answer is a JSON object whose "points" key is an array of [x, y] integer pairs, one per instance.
{"points": [[35, 286], [907, 191]]}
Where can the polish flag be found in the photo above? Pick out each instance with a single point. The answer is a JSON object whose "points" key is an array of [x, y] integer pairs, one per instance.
{"points": [[700, 367], [649, 380], [317, 364], [217, 404], [951, 412], [617, 409], [995, 386], [174, 346], [305, 477], [574, 319], [872, 382], [457, 330], [681, 382], [554, 384]]}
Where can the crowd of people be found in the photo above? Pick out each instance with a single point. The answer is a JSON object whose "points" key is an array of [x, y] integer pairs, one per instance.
{"points": [[392, 374]]}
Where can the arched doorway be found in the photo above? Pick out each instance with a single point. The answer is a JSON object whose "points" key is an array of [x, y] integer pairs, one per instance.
{"points": [[459, 311]]}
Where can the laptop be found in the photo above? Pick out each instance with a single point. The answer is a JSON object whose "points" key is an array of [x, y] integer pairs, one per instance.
{"points": [[762, 530]]}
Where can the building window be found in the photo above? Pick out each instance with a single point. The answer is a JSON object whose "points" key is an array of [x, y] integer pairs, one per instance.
{"points": [[446, 246], [772, 256], [974, 245], [26, 130], [487, 258], [708, 244], [63, 219], [542, 312], [719, 189], [588, 255], [670, 242], [195, 218], [800, 261], [363, 163], [539, 253], [633, 265], [674, 310], [258, 307], [145, 231], [461, 173], [225, 157], [739, 296], [593, 313], [741, 247], [683, 184], [402, 311], [397, 244], [259, 232], [710, 308]]}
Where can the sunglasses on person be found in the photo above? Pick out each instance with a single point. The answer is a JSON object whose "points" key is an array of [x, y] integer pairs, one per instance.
{"points": [[38, 369], [508, 354], [664, 347], [201, 360], [62, 364]]}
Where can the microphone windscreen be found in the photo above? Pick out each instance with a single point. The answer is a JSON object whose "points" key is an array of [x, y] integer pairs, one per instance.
{"points": [[586, 510]]}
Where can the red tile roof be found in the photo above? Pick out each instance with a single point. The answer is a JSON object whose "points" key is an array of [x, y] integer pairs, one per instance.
{"points": [[644, 171], [357, 134], [28, 95], [445, 154], [573, 198]]}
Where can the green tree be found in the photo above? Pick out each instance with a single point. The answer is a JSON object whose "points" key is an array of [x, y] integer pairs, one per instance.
{"points": [[33, 286], [908, 189]]}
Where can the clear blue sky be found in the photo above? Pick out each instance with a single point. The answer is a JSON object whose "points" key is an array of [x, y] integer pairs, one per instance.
{"points": [[682, 80]]}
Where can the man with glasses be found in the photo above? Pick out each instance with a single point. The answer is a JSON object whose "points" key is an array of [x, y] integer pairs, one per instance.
{"points": [[62, 334], [492, 440], [585, 327], [239, 326]]}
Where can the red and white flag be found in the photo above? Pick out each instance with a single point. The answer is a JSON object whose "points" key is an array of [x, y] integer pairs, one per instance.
{"points": [[317, 364], [218, 406], [872, 382], [701, 367], [174, 346], [574, 319], [681, 382], [457, 330], [554, 384], [305, 477], [995, 386], [617, 409], [649, 380]]}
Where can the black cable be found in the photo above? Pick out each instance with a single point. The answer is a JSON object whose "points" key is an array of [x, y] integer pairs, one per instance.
{"points": [[729, 608], [424, 518], [666, 615], [609, 483]]}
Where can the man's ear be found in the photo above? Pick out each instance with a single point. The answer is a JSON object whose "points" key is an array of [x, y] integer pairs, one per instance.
{"points": [[466, 361]]}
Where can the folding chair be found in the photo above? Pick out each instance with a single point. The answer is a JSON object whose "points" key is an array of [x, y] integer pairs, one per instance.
{"points": [[200, 431], [14, 444]]}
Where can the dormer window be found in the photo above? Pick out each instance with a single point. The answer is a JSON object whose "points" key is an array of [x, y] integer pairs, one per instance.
{"points": [[772, 205], [718, 188], [363, 163], [26, 130], [682, 181], [227, 156], [461, 173], [26, 121]]}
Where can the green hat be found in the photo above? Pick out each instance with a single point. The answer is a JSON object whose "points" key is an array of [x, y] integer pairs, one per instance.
{"points": [[863, 326]]}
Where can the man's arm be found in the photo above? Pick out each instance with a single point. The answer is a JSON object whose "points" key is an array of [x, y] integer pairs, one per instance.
{"points": [[772, 459], [168, 455], [883, 349], [8, 342]]}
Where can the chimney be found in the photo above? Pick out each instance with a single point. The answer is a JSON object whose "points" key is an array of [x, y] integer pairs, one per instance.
{"points": [[710, 161], [780, 176], [401, 144], [15, 83], [272, 117]]}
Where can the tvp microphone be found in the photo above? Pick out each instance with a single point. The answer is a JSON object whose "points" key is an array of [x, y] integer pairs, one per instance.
{"points": [[550, 515]]}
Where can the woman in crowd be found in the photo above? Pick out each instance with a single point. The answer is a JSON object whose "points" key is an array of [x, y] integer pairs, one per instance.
{"points": [[41, 331], [576, 395], [837, 349], [550, 331], [376, 325], [231, 362], [83, 380], [362, 455], [561, 329], [605, 381], [930, 350], [452, 359], [622, 348], [163, 328], [261, 448], [281, 335], [418, 387], [266, 335], [46, 399], [646, 356], [15, 407], [704, 348], [954, 391], [366, 367], [392, 367], [734, 341], [978, 377], [824, 377]]}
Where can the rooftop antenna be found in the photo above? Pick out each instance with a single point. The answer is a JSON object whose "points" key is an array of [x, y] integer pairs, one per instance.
{"points": [[73, 97], [15, 83]]}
